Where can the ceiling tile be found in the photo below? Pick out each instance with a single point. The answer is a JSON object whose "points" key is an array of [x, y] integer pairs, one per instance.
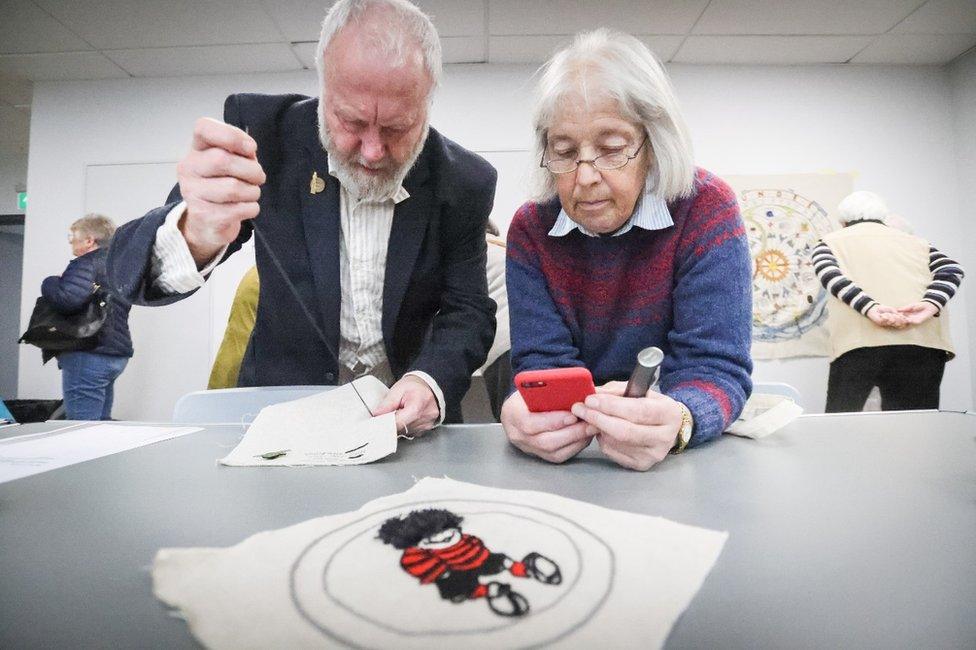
{"points": [[125, 24], [538, 49], [941, 17], [456, 49], [463, 49], [305, 53], [916, 49], [456, 17], [210, 59], [59, 67], [512, 17], [781, 50], [301, 20], [25, 27], [16, 92], [521, 49], [823, 17], [663, 46], [297, 20]]}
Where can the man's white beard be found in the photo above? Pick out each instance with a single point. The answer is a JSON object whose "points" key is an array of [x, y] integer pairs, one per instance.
{"points": [[368, 187]]}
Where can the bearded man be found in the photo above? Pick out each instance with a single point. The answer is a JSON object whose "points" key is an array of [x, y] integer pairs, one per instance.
{"points": [[369, 224]]}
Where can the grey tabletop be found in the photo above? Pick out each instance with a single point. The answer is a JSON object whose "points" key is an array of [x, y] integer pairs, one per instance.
{"points": [[845, 531]]}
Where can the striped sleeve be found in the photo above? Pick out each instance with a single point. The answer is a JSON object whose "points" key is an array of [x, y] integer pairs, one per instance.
{"points": [[836, 283], [947, 275], [173, 270]]}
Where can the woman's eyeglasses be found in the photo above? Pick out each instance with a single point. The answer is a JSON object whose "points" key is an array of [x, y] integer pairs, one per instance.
{"points": [[605, 163]]}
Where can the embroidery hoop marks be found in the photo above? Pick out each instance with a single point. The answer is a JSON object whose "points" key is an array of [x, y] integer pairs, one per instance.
{"points": [[326, 610]]}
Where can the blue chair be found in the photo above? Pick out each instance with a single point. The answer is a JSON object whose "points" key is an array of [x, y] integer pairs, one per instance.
{"points": [[776, 388], [235, 405], [6, 417]]}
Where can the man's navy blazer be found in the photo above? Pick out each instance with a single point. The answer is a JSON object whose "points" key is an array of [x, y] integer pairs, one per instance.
{"points": [[437, 316]]}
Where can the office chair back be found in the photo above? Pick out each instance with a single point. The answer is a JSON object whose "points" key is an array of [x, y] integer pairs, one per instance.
{"points": [[236, 405], [776, 388]]}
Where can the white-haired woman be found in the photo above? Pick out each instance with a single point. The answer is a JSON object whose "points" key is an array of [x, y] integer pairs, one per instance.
{"points": [[629, 246], [88, 377], [887, 288]]}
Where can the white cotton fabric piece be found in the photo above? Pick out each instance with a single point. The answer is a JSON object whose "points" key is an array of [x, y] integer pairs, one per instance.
{"points": [[330, 582], [764, 414], [330, 428]]}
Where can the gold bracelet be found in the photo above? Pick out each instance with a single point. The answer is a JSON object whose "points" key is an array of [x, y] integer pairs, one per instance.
{"points": [[684, 432]]}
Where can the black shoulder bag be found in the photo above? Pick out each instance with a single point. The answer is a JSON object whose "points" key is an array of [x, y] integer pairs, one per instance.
{"points": [[55, 332]]}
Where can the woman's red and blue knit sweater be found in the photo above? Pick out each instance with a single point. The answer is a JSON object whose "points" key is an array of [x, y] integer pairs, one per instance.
{"points": [[597, 301]]}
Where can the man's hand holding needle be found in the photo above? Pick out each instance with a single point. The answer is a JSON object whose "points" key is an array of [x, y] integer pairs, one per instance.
{"points": [[220, 180]]}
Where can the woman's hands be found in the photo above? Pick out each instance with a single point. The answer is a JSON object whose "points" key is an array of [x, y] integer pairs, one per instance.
{"points": [[555, 436], [636, 433]]}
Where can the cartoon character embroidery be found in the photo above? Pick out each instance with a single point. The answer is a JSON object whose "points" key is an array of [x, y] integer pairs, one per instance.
{"points": [[436, 550]]}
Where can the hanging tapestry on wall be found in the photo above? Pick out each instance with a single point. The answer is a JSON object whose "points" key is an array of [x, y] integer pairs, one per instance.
{"points": [[445, 565], [785, 216]]}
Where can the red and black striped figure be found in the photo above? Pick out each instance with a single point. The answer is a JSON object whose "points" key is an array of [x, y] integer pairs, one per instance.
{"points": [[436, 550]]}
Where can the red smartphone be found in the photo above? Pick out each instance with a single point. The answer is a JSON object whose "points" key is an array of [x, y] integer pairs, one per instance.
{"points": [[556, 389]]}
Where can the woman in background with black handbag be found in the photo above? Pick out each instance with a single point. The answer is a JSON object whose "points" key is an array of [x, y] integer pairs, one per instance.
{"points": [[88, 375]]}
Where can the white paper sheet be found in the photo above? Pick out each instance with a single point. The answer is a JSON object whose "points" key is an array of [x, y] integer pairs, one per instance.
{"points": [[333, 582], [39, 452], [335, 427]]}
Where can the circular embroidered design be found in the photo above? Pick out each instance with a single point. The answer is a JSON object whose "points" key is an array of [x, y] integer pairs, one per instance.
{"points": [[772, 265], [783, 227], [329, 587]]}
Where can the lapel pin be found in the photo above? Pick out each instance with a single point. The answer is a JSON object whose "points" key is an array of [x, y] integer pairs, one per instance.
{"points": [[317, 184]]}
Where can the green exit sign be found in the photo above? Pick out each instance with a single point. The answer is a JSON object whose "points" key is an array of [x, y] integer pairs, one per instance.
{"points": [[21, 200]]}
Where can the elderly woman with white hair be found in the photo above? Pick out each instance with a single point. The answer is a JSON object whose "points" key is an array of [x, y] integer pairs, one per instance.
{"points": [[629, 246], [888, 289], [88, 376]]}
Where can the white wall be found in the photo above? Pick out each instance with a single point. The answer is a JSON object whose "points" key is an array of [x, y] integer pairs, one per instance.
{"points": [[962, 77], [893, 126]]}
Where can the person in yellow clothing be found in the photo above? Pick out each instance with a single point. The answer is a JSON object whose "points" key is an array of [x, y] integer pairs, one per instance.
{"points": [[239, 325]]}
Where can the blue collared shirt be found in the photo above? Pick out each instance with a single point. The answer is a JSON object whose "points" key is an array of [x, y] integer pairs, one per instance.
{"points": [[651, 213]]}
